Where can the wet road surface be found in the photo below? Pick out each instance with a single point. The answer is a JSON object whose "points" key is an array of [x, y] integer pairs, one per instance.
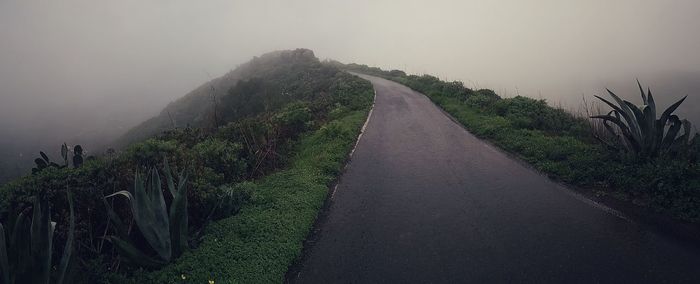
{"points": [[424, 201]]}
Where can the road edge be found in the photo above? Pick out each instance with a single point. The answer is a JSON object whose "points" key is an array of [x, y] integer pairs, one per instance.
{"points": [[295, 268], [644, 217]]}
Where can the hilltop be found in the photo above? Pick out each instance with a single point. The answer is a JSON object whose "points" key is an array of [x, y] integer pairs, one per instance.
{"points": [[238, 93]]}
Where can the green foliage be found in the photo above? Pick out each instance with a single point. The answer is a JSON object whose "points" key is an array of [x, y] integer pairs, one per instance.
{"points": [[258, 244], [27, 257], [294, 118], [151, 151], [232, 198], [86, 185], [165, 229], [529, 113], [222, 162], [482, 99], [222, 157], [641, 133]]}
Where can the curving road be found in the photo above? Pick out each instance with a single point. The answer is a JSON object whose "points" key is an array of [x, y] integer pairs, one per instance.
{"points": [[424, 201]]}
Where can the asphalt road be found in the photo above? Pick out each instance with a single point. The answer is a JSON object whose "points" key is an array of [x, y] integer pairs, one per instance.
{"points": [[424, 201]]}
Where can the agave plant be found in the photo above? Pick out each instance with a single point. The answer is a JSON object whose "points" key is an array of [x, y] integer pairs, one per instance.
{"points": [[27, 256], [165, 229], [640, 132]]}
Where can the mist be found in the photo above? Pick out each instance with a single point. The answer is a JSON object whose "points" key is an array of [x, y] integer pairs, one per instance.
{"points": [[84, 72]]}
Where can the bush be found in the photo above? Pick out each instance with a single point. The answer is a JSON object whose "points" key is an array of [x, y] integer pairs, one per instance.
{"points": [[529, 113], [232, 198], [293, 119], [222, 157], [151, 151], [481, 99]]}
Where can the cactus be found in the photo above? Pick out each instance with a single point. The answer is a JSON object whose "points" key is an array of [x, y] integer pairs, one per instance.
{"points": [[165, 229], [43, 162], [77, 156], [27, 256], [64, 154], [642, 134]]}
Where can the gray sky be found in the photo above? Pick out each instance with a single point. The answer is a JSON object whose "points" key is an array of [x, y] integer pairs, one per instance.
{"points": [[114, 63]]}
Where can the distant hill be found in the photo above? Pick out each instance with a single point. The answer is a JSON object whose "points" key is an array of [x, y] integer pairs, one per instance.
{"points": [[251, 88]]}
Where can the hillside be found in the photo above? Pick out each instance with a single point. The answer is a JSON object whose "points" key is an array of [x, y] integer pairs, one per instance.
{"points": [[286, 123], [292, 72]]}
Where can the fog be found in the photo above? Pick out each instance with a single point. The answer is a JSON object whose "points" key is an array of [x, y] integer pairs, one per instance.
{"points": [[86, 71]]}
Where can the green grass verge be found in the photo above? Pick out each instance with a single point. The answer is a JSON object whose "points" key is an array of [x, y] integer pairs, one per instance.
{"points": [[561, 156], [664, 185], [262, 241], [560, 145]]}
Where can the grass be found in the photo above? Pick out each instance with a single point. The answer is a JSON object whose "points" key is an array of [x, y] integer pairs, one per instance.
{"points": [[262, 241], [561, 156], [666, 185]]}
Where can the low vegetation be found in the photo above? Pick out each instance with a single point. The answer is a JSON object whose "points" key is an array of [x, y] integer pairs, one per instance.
{"points": [[259, 243], [248, 186], [26, 256], [643, 159]]}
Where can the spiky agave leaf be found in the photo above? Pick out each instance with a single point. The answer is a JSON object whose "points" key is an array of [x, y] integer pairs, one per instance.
{"points": [[632, 142], [43, 155], [4, 263], [20, 250], [133, 254], [150, 215], [161, 220], [178, 210], [41, 240], [67, 258], [628, 115], [672, 132], [114, 218]]}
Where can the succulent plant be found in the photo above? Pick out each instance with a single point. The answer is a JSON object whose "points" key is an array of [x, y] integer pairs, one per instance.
{"points": [[165, 229], [640, 132], [43, 162], [77, 156], [64, 154], [27, 256]]}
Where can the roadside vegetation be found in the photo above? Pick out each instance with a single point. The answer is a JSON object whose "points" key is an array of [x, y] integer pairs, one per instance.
{"points": [[643, 155], [229, 200]]}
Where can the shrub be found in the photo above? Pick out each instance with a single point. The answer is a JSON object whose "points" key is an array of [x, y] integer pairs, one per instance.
{"points": [[481, 100], [151, 151], [536, 114], [232, 198], [222, 157], [292, 120]]}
